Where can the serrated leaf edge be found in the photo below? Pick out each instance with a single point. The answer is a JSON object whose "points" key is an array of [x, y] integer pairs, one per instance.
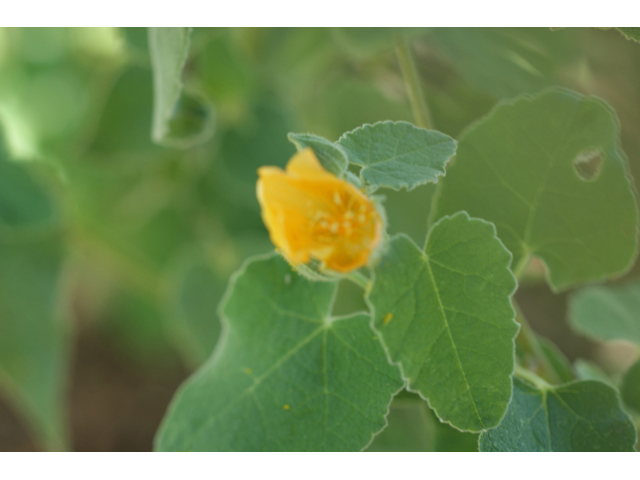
{"points": [[404, 185], [616, 393], [398, 364], [527, 97]]}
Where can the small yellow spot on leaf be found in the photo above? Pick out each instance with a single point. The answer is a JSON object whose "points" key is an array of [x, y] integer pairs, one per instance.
{"points": [[286, 407], [248, 371], [387, 318]]}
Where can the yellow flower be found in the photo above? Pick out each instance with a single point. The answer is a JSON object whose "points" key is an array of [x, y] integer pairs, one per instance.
{"points": [[311, 213]]}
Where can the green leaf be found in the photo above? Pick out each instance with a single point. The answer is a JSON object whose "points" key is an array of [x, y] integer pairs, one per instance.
{"points": [[505, 62], [607, 313], [286, 376], [630, 33], [397, 154], [33, 339], [630, 389], [126, 118], [24, 203], [411, 429], [180, 120], [332, 156], [549, 172], [586, 370], [582, 416], [195, 327], [445, 316], [136, 40]]}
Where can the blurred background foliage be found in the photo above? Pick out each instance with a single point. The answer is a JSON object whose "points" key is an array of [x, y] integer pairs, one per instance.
{"points": [[115, 251]]}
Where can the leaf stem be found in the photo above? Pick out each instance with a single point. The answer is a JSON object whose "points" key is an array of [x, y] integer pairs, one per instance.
{"points": [[412, 81], [522, 266], [528, 375], [528, 340], [359, 279]]}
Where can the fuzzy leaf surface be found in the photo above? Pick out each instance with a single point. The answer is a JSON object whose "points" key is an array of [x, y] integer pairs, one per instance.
{"points": [[607, 313], [397, 154], [549, 172], [332, 157], [287, 376], [445, 316], [582, 416]]}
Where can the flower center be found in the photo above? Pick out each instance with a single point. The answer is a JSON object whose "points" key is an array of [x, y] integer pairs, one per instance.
{"points": [[347, 220]]}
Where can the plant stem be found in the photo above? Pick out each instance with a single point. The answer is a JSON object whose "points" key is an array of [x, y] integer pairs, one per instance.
{"points": [[528, 340], [522, 266], [412, 81], [531, 377], [359, 279]]}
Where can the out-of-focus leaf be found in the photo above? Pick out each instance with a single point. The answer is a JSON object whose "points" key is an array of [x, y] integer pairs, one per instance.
{"points": [[331, 155], [445, 316], [590, 371], [193, 318], [607, 313], [402, 216], [137, 42], [410, 429], [576, 417], [126, 119], [286, 376], [33, 338], [397, 154], [24, 204], [169, 48], [180, 120], [549, 172], [631, 33], [507, 62], [223, 73], [366, 41]]}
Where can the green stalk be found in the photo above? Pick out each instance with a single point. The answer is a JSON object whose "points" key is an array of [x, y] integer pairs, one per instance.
{"points": [[412, 81], [522, 265], [531, 377]]}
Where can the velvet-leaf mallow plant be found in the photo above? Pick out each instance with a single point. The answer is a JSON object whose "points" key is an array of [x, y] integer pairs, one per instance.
{"points": [[441, 326]]}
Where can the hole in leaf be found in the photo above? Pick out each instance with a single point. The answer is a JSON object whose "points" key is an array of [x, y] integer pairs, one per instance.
{"points": [[192, 122], [588, 164]]}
